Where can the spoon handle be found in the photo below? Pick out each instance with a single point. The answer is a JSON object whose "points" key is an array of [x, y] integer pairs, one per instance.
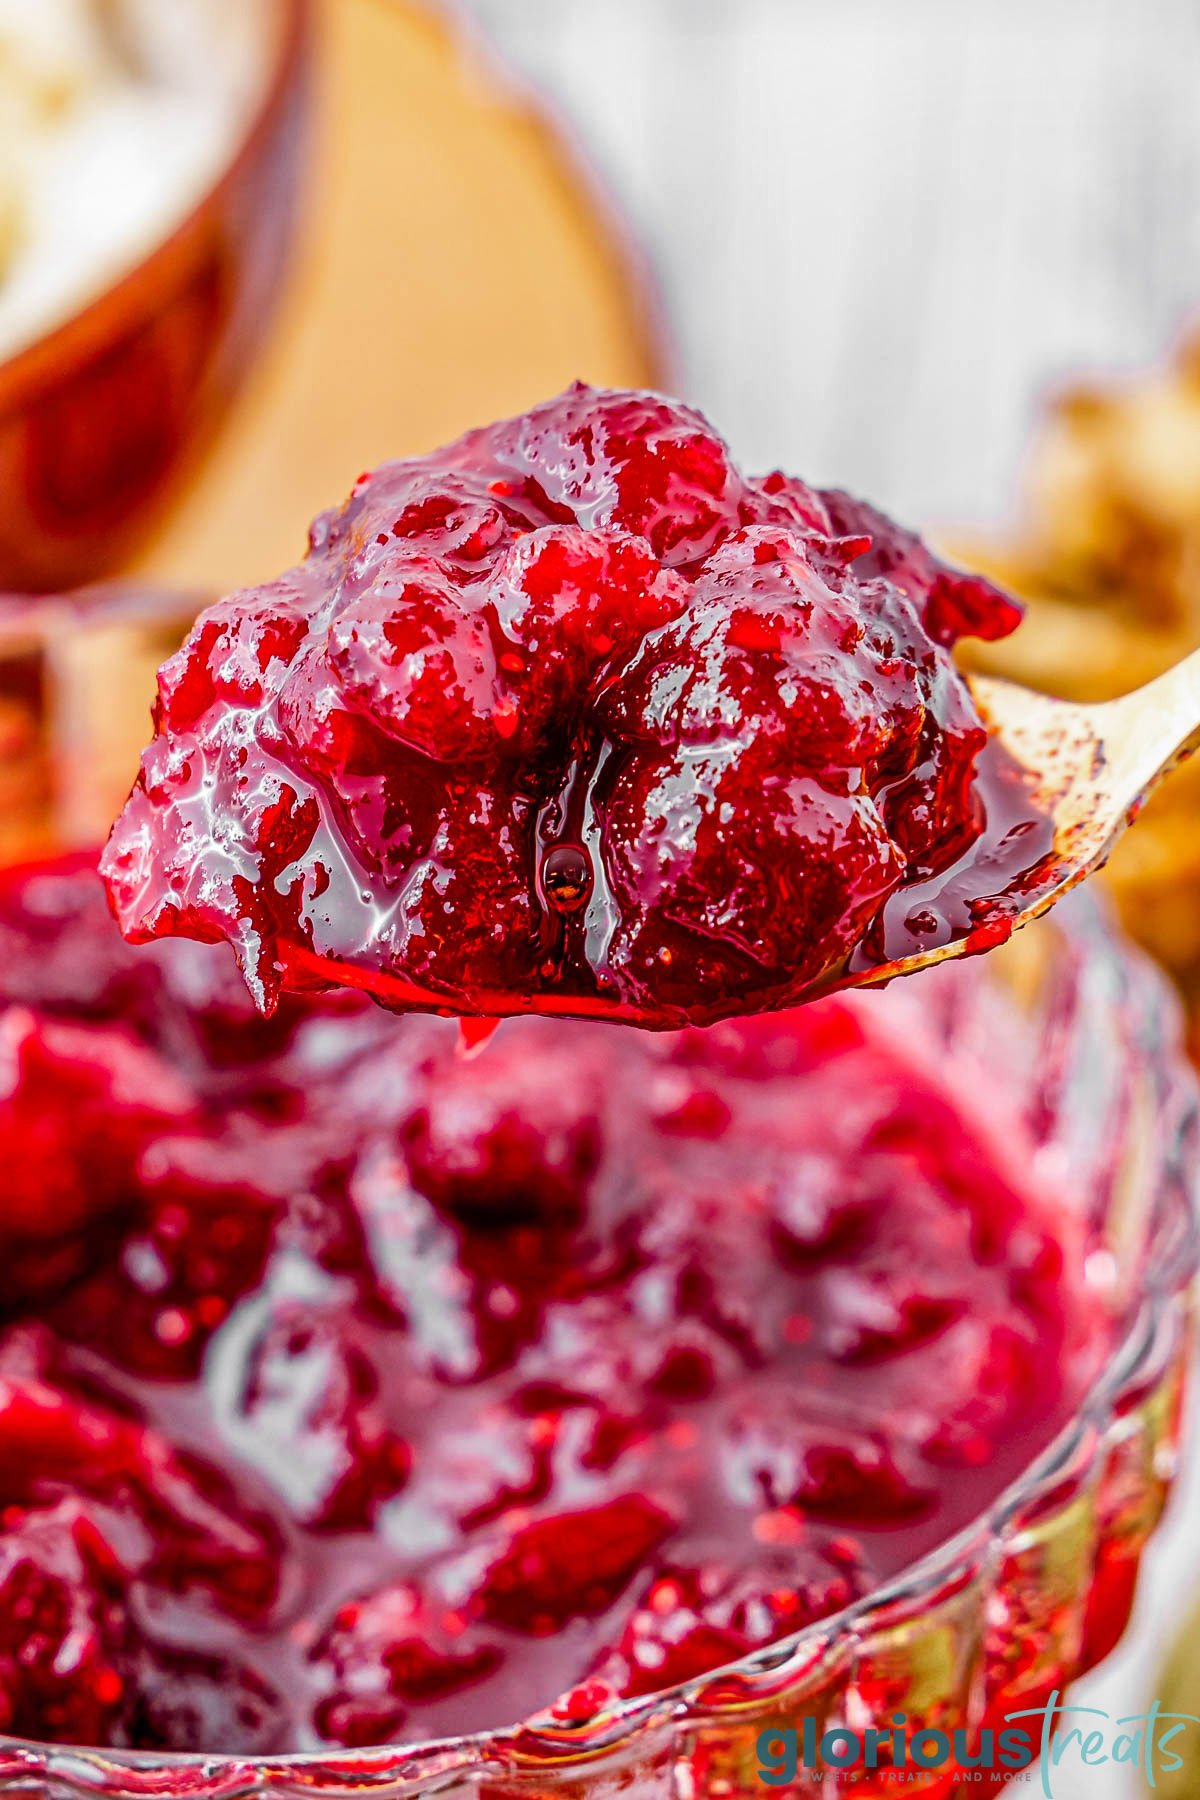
{"points": [[1147, 732]]}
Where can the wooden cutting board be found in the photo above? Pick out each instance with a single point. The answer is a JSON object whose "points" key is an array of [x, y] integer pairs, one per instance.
{"points": [[457, 264]]}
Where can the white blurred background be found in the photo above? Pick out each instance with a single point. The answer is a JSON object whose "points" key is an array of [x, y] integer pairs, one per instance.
{"points": [[884, 226]]}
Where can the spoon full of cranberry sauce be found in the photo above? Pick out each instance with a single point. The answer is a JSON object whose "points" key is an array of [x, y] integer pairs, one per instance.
{"points": [[573, 717]]}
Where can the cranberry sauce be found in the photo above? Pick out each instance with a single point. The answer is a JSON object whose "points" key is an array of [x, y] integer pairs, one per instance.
{"points": [[573, 717], [356, 1388]]}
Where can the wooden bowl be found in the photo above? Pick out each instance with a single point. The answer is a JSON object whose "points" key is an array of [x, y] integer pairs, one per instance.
{"points": [[460, 259], [97, 416]]}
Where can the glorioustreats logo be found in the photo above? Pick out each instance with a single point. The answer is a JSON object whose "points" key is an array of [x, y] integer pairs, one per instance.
{"points": [[1155, 1742]]}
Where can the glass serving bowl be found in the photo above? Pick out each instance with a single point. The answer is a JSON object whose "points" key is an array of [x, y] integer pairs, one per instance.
{"points": [[996, 1621]]}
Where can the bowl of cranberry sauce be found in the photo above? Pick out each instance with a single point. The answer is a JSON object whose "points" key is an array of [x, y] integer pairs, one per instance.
{"points": [[364, 1391]]}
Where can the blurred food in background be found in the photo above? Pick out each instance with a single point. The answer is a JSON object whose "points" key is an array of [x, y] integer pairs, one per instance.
{"points": [[115, 115], [1114, 493], [461, 263], [149, 166], [1108, 556]]}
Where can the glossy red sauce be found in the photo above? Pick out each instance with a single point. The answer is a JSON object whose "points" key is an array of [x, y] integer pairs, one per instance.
{"points": [[354, 1388], [573, 717]]}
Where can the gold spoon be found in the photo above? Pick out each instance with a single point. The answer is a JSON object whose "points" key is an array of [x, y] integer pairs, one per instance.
{"points": [[1087, 771]]}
